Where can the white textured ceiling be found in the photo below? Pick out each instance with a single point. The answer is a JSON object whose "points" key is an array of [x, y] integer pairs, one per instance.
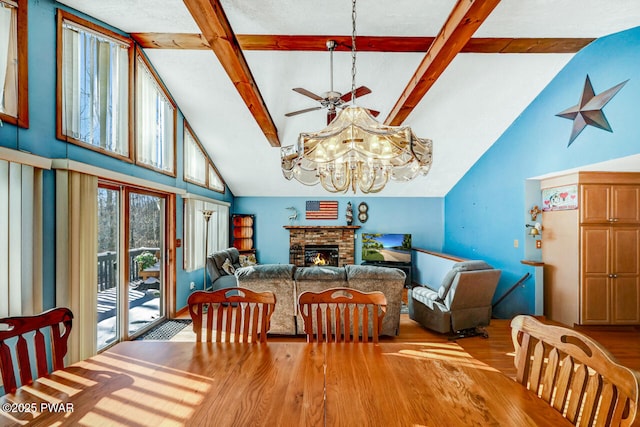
{"points": [[468, 108]]}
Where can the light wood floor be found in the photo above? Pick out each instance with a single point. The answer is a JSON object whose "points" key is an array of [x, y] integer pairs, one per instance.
{"points": [[497, 350]]}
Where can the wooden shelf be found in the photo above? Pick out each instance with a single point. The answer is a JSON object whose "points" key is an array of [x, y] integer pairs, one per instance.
{"points": [[532, 263], [243, 232]]}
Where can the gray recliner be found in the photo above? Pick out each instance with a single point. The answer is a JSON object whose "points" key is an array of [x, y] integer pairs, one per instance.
{"points": [[221, 279], [462, 302]]}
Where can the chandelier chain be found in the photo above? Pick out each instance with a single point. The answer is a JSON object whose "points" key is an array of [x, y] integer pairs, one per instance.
{"points": [[353, 52]]}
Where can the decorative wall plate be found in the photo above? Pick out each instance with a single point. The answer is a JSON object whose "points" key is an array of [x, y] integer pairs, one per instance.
{"points": [[362, 207], [363, 217]]}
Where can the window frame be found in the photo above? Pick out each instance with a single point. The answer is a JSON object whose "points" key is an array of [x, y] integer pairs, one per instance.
{"points": [[22, 118], [61, 17], [188, 129], [140, 54]]}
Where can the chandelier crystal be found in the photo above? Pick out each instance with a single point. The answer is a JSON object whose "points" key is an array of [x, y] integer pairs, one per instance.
{"points": [[356, 151]]}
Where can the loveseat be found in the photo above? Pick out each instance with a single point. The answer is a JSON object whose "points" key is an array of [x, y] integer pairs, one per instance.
{"points": [[460, 300], [287, 281]]}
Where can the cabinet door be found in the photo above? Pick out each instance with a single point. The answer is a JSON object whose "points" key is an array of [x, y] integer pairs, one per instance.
{"points": [[596, 304], [595, 281], [625, 272], [625, 203], [595, 203]]}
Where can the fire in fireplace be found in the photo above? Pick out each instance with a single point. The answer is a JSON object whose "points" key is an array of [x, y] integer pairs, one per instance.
{"points": [[321, 255]]}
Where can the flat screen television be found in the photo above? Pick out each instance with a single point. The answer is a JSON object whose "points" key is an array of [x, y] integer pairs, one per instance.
{"points": [[386, 247]]}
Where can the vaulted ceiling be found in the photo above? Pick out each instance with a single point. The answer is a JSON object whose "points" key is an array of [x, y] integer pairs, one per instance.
{"points": [[458, 72]]}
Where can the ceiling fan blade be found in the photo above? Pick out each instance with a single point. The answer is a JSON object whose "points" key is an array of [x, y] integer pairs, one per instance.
{"points": [[374, 113], [331, 114], [361, 91], [306, 110], [305, 92]]}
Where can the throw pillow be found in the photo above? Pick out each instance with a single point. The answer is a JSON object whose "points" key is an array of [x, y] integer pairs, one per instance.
{"points": [[247, 260], [228, 267]]}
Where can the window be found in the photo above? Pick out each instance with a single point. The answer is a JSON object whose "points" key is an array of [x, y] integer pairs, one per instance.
{"points": [[215, 181], [194, 231], [155, 121], [93, 86], [198, 168], [195, 162], [14, 94]]}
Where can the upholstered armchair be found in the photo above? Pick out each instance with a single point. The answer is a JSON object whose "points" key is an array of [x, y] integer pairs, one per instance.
{"points": [[461, 302], [221, 267]]}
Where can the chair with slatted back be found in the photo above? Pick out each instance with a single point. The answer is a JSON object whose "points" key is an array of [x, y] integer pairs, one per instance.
{"points": [[240, 315], [574, 374], [342, 315], [26, 335]]}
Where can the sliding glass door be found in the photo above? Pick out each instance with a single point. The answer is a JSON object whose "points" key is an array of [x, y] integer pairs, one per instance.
{"points": [[145, 241], [131, 234], [108, 259]]}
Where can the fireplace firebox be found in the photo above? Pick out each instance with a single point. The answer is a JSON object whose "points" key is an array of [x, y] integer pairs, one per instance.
{"points": [[321, 255]]}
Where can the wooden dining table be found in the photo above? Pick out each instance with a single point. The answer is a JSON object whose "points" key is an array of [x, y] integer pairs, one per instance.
{"points": [[153, 383]]}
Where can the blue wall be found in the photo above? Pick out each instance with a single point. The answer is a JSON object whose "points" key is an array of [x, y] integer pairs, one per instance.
{"points": [[421, 217], [485, 211], [40, 139]]}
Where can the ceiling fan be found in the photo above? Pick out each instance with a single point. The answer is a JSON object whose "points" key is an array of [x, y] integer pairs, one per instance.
{"points": [[331, 100]]}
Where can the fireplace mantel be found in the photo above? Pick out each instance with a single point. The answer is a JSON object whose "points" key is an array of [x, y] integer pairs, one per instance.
{"points": [[341, 235]]}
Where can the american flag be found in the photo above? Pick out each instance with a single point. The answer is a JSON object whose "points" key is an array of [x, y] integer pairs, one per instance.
{"points": [[322, 210]]}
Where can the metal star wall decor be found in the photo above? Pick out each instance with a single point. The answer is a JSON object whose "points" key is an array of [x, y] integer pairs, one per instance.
{"points": [[589, 109]]}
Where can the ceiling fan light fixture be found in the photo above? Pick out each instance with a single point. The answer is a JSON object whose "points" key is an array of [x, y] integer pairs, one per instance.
{"points": [[356, 151]]}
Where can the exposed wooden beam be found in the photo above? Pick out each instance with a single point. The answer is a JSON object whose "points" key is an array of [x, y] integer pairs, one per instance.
{"points": [[364, 43], [171, 41], [217, 32], [465, 18], [525, 45]]}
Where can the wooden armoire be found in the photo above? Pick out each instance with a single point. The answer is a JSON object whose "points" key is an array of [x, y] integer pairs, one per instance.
{"points": [[592, 254]]}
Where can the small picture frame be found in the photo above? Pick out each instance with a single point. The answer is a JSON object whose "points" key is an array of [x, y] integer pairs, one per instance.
{"points": [[560, 198]]}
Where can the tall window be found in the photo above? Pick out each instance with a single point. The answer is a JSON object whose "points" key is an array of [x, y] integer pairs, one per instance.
{"points": [[194, 231], [14, 94], [198, 168], [195, 161], [155, 121], [95, 70]]}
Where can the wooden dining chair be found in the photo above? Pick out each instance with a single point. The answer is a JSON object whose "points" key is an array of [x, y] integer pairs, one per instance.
{"points": [[25, 335], [574, 374], [342, 315], [241, 315]]}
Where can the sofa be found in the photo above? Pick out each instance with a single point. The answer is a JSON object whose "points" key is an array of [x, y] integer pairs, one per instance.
{"points": [[460, 300], [287, 281]]}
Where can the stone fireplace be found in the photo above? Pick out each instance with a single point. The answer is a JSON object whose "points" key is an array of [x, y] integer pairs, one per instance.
{"points": [[336, 240], [321, 255]]}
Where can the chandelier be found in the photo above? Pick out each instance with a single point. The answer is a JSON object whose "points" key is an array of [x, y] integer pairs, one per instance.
{"points": [[356, 151]]}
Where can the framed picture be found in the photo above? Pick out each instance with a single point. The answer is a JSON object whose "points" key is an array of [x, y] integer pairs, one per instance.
{"points": [[560, 198]]}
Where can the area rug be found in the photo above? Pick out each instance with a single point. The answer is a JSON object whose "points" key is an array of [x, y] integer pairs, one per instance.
{"points": [[166, 330]]}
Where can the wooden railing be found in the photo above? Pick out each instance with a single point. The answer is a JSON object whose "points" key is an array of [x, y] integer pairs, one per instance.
{"points": [[108, 267]]}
